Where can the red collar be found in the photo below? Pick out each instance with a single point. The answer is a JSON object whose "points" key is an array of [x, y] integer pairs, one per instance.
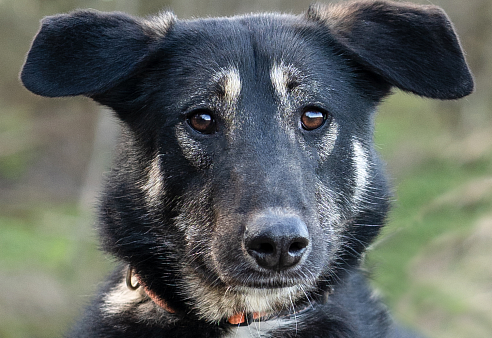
{"points": [[159, 301], [243, 319]]}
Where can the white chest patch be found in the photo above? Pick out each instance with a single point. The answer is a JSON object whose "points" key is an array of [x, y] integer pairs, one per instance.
{"points": [[120, 299], [260, 329]]}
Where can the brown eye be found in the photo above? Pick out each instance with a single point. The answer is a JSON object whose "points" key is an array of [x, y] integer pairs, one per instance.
{"points": [[313, 118], [202, 122]]}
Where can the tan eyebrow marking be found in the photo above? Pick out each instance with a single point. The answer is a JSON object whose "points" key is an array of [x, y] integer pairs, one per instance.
{"points": [[230, 84], [284, 78]]}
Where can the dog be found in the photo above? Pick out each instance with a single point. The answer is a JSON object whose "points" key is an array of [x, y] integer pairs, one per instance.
{"points": [[246, 187]]}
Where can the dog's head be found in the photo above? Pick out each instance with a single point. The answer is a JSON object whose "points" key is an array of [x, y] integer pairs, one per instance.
{"points": [[246, 178]]}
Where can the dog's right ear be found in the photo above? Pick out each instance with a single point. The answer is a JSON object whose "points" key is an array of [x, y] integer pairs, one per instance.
{"points": [[88, 52], [412, 47]]}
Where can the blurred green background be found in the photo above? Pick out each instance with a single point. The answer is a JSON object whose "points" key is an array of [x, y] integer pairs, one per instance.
{"points": [[433, 263]]}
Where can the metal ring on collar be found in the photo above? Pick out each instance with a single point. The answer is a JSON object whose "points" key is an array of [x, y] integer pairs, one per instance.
{"points": [[129, 275]]}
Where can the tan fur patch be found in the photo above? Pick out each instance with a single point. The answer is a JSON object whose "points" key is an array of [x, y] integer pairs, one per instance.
{"points": [[229, 80], [155, 184], [282, 77]]}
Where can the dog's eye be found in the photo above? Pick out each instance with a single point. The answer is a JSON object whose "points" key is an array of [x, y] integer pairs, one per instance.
{"points": [[203, 122], [313, 118]]}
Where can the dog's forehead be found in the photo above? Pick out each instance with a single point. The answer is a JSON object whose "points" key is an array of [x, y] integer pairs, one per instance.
{"points": [[238, 36], [229, 55]]}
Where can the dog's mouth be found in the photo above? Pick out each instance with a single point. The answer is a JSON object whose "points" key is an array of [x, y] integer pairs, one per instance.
{"points": [[266, 265], [243, 281], [252, 279]]}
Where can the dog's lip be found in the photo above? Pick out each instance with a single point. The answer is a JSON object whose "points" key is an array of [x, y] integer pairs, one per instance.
{"points": [[250, 290], [267, 284], [269, 281]]}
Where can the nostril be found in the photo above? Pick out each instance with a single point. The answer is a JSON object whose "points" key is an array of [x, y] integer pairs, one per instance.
{"points": [[264, 250], [298, 247], [262, 246]]}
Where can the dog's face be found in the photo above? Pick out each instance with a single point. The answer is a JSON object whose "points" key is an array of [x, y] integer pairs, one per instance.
{"points": [[262, 139], [247, 178], [261, 154]]}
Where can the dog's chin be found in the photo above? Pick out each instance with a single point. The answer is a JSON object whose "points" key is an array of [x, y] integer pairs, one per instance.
{"points": [[218, 302], [221, 304]]}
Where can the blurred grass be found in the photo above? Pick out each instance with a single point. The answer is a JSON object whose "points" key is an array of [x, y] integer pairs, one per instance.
{"points": [[38, 237], [49, 269], [442, 193], [14, 142]]}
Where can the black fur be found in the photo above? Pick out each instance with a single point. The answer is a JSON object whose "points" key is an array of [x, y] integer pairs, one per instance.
{"points": [[182, 207]]}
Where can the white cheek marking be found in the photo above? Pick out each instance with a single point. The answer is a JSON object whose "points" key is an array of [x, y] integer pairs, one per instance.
{"points": [[154, 185], [193, 218], [327, 208], [361, 170], [327, 143], [329, 214]]}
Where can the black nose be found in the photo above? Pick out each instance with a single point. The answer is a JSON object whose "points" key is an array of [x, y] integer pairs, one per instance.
{"points": [[276, 242]]}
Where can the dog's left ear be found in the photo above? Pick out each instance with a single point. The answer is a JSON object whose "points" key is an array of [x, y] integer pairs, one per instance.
{"points": [[88, 52], [413, 47]]}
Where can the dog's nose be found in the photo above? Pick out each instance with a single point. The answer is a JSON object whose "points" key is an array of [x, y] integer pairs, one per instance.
{"points": [[276, 242]]}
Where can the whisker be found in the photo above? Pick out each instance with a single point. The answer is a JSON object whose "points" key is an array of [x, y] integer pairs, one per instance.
{"points": [[293, 310]]}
